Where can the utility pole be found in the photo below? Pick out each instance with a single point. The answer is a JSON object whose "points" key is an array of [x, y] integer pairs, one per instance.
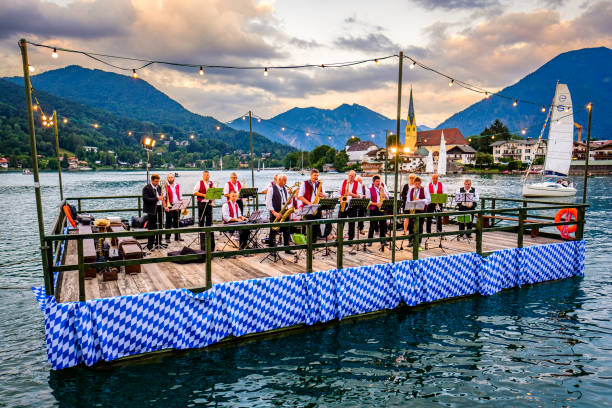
{"points": [[396, 156], [588, 152], [386, 154], [57, 153]]}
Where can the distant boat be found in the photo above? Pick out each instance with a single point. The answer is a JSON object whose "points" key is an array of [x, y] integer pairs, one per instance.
{"points": [[26, 171], [558, 151], [176, 174]]}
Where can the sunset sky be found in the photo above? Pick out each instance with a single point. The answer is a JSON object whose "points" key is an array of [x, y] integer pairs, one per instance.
{"points": [[491, 43]]}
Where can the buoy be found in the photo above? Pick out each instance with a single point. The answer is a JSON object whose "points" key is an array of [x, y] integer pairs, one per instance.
{"points": [[69, 215], [566, 215]]}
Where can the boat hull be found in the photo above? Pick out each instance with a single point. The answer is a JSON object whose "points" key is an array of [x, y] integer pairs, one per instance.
{"points": [[548, 190]]}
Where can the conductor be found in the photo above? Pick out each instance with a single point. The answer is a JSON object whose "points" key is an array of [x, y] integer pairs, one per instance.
{"points": [[152, 200]]}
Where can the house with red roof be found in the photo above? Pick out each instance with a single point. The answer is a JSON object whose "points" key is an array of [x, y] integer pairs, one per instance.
{"points": [[430, 139]]}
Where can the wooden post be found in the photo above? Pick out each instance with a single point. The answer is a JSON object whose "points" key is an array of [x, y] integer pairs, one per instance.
{"points": [[340, 239], [193, 200], [386, 154], [588, 152], [521, 228], [208, 244], [493, 204], [139, 206], [479, 233], [57, 154], [81, 270], [396, 156], [34, 156], [309, 248], [580, 225], [79, 205], [415, 238], [252, 171]]}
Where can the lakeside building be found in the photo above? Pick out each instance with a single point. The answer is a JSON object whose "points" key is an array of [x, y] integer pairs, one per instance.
{"points": [[524, 150], [463, 154], [3, 163], [357, 152]]}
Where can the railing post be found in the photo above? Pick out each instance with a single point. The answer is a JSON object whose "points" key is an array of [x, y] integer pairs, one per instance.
{"points": [[340, 239], [580, 223], [308, 248], [521, 228], [493, 204], [479, 233], [208, 244], [79, 205], [81, 270], [139, 206], [483, 203], [193, 199], [415, 238], [48, 271]]}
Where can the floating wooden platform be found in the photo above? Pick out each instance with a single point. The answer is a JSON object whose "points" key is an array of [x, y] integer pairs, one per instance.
{"points": [[167, 275]]}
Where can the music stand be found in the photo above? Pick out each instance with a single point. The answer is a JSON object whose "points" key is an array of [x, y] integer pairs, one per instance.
{"points": [[387, 207], [248, 193], [359, 203], [326, 204], [211, 194], [441, 200]]}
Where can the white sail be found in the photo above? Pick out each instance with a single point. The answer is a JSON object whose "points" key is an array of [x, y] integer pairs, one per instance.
{"points": [[429, 165], [442, 157], [561, 134]]}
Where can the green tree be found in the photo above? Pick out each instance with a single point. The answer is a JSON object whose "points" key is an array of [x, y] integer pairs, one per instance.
{"points": [[340, 160], [318, 154], [483, 159], [52, 164], [352, 140], [538, 161]]}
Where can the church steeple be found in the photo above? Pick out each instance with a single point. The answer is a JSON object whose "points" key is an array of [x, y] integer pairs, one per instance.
{"points": [[411, 127]]}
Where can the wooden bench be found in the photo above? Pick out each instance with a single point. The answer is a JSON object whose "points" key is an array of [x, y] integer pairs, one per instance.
{"points": [[89, 251], [129, 248], [488, 220]]}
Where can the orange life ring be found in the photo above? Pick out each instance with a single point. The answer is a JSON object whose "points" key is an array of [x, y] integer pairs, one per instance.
{"points": [[562, 216], [69, 215]]}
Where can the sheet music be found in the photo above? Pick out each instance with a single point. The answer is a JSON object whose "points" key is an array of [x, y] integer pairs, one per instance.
{"points": [[464, 197], [416, 204]]}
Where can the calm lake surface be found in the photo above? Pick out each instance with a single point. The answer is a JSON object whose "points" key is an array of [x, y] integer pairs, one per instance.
{"points": [[546, 345]]}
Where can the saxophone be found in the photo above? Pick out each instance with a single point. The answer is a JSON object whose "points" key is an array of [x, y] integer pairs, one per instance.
{"points": [[316, 199], [284, 211], [344, 198]]}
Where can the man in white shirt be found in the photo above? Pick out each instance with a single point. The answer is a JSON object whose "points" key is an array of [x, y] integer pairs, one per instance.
{"points": [[350, 188], [467, 200], [276, 197], [307, 195], [421, 195], [376, 193], [205, 207], [232, 214], [435, 187], [173, 196], [233, 185]]}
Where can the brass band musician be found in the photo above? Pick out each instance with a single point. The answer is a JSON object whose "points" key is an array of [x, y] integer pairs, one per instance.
{"points": [[173, 196], [376, 193], [421, 194], [232, 214], [350, 188], [276, 197], [309, 191], [233, 185], [205, 207]]}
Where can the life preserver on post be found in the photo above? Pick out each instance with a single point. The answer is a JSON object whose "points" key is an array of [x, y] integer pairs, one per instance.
{"points": [[69, 215], [567, 214]]}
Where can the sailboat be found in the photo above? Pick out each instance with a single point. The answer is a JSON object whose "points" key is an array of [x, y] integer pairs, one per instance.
{"points": [[429, 165], [442, 156], [558, 151]]}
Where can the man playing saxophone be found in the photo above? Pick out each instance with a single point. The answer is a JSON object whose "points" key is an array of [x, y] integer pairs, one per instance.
{"points": [[310, 193], [350, 188], [276, 198]]}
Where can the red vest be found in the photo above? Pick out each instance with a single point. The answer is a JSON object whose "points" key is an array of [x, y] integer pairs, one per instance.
{"points": [[233, 209], [344, 184], [421, 194], [203, 189], [231, 189], [308, 189], [431, 188], [170, 195], [373, 197]]}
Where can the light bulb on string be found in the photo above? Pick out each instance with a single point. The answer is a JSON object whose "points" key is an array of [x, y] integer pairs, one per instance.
{"points": [[130, 133], [201, 70], [31, 68], [64, 121], [413, 65], [258, 120], [95, 125], [51, 123], [372, 135], [35, 107], [515, 103], [452, 81], [192, 137], [134, 74], [44, 123], [44, 117], [266, 71], [307, 134], [543, 108], [470, 140], [524, 131], [493, 137], [283, 129], [377, 61], [244, 118], [54, 54], [218, 127], [487, 95]]}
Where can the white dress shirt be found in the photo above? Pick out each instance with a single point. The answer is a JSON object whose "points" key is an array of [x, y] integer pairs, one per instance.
{"points": [[226, 189], [349, 189], [226, 211], [196, 189], [302, 192], [414, 191], [283, 193], [174, 187]]}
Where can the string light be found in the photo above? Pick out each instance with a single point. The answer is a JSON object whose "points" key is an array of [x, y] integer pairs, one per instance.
{"points": [[162, 136], [44, 117], [493, 137], [64, 121], [515, 103], [452, 81], [130, 133], [524, 131], [372, 135], [201, 70], [377, 61], [218, 127], [487, 95], [283, 129], [258, 120], [54, 54], [134, 74], [266, 71], [244, 118], [51, 123], [44, 123], [307, 133], [413, 65], [35, 107], [31, 68], [95, 125], [543, 108], [191, 137], [589, 106]]}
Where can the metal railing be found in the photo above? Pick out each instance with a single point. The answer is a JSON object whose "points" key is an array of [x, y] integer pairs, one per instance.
{"points": [[520, 219]]}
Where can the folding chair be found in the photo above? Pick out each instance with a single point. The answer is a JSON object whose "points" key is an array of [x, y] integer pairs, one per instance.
{"points": [[298, 239]]}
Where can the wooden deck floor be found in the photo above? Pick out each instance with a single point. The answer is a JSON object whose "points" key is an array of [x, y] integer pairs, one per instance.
{"points": [[166, 275]]}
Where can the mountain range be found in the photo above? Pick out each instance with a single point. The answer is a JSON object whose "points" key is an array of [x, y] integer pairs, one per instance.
{"points": [[332, 127], [588, 74]]}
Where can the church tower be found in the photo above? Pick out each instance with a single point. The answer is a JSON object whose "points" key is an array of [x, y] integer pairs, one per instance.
{"points": [[411, 128]]}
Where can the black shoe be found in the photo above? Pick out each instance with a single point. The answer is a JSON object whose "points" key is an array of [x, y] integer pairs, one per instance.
{"points": [[168, 240], [179, 239], [469, 236], [290, 252], [369, 244]]}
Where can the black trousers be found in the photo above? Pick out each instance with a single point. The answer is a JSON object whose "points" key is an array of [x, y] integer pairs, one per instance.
{"points": [[349, 213], [154, 221], [381, 225], [244, 237], [432, 208], [316, 229], [172, 221], [411, 225], [465, 225], [274, 233], [360, 212], [205, 218]]}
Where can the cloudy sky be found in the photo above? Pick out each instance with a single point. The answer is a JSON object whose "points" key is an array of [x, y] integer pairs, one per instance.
{"points": [[491, 43]]}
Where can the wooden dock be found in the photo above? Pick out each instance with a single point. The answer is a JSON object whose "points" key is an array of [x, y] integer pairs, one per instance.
{"points": [[167, 275]]}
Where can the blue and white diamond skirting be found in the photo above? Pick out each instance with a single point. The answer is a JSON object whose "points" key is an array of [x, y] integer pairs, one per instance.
{"points": [[111, 328]]}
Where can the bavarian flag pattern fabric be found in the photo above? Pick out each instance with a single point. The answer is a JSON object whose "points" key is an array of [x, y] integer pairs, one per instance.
{"points": [[111, 328]]}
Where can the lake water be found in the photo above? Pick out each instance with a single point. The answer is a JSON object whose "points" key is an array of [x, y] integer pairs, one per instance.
{"points": [[546, 345]]}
